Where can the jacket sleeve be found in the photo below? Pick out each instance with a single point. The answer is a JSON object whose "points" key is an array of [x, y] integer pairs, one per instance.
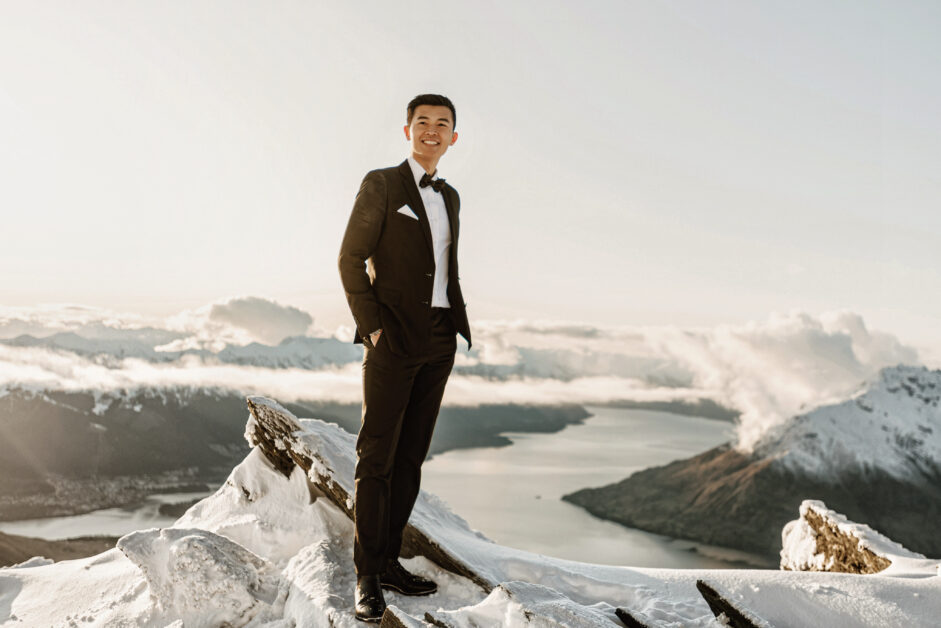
{"points": [[359, 242]]}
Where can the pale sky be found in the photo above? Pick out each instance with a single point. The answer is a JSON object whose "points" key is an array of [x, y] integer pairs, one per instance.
{"points": [[638, 163]]}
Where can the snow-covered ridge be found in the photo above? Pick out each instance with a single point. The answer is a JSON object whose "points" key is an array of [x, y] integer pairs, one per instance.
{"points": [[892, 425]]}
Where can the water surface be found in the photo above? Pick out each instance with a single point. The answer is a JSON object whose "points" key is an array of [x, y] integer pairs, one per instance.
{"points": [[513, 494]]}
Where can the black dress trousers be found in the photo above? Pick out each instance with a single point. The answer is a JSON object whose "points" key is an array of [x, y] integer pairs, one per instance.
{"points": [[401, 399]]}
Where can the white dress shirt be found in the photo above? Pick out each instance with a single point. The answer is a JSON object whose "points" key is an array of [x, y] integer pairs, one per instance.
{"points": [[440, 233]]}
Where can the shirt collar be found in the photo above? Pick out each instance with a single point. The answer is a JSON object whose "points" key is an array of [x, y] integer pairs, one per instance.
{"points": [[418, 171]]}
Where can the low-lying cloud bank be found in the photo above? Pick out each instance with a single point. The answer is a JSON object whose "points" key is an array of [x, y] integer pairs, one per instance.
{"points": [[767, 370]]}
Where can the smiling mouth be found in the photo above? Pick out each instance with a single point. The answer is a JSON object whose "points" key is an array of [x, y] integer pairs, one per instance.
{"points": [[430, 142]]}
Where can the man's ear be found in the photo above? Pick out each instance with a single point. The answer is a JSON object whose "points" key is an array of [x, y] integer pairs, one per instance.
{"points": [[405, 128], [453, 138]]}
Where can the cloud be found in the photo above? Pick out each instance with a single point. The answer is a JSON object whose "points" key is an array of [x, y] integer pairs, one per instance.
{"points": [[773, 370], [50, 319], [40, 368], [267, 321], [768, 370], [237, 321]]}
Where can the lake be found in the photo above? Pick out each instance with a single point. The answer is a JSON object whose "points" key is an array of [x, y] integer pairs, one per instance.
{"points": [[512, 494]]}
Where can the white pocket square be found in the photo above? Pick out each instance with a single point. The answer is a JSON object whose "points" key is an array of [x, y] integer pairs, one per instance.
{"points": [[407, 211]]}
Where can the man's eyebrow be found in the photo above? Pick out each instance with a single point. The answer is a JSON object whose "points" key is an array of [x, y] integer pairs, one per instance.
{"points": [[424, 117]]}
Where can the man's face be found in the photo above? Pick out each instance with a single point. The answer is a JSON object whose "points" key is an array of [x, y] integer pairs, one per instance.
{"points": [[431, 131]]}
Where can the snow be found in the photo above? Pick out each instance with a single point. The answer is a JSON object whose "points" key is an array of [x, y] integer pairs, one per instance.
{"points": [[201, 577], [261, 552], [893, 425], [835, 600]]}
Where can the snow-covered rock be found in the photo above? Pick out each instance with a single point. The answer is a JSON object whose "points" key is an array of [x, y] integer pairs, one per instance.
{"points": [[201, 577], [825, 540]]}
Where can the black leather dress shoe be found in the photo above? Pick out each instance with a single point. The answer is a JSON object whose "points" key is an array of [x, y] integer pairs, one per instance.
{"points": [[370, 604], [398, 578]]}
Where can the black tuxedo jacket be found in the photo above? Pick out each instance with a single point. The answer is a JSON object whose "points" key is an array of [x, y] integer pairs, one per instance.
{"points": [[387, 262]]}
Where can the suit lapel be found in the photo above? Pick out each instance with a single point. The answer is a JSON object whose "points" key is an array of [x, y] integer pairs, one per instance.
{"points": [[414, 199]]}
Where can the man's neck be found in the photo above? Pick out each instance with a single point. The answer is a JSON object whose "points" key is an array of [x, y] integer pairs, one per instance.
{"points": [[430, 166]]}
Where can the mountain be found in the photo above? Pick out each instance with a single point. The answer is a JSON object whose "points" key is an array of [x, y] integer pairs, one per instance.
{"points": [[65, 452], [68, 452], [875, 457]]}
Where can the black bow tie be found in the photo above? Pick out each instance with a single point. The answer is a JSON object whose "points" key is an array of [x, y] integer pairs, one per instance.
{"points": [[436, 184]]}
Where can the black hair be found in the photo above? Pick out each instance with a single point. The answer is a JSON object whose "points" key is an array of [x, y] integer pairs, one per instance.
{"points": [[431, 99]]}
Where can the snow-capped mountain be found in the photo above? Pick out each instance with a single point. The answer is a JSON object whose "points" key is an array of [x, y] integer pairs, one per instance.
{"points": [[893, 425]]}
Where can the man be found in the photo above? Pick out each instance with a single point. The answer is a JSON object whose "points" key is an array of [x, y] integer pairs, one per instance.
{"points": [[398, 265]]}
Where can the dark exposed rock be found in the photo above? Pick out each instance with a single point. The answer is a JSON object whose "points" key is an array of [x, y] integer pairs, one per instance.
{"points": [[395, 617], [721, 606], [822, 539], [628, 619], [843, 551]]}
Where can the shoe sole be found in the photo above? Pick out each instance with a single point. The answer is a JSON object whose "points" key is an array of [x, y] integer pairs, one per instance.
{"points": [[369, 620], [409, 593]]}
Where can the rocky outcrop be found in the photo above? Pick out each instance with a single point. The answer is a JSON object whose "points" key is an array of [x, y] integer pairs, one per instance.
{"points": [[825, 540], [273, 429], [840, 551]]}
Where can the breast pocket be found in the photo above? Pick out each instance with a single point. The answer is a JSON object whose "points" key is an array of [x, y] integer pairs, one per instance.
{"points": [[406, 218]]}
